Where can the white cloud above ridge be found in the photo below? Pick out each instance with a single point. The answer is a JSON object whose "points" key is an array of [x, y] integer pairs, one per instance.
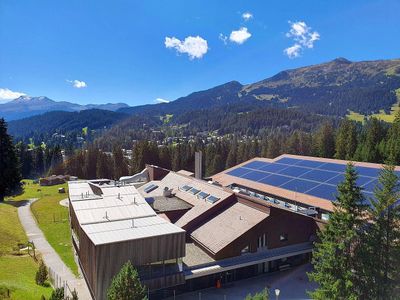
{"points": [[161, 100], [239, 36], [193, 46], [78, 84], [7, 94], [247, 16], [303, 36]]}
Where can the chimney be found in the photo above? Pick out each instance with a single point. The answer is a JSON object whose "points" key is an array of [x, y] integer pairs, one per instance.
{"points": [[198, 165]]}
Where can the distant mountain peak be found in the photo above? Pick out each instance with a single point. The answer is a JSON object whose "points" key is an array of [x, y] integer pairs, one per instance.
{"points": [[342, 60]]}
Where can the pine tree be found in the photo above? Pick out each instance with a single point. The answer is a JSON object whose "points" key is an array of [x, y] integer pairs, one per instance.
{"points": [[393, 141], [120, 166], [381, 241], [231, 158], [57, 294], [10, 175], [335, 263], [346, 140], [126, 285], [325, 141]]}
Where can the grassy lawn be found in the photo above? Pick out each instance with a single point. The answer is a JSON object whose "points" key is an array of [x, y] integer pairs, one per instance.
{"points": [[354, 116], [382, 115], [17, 272], [52, 218]]}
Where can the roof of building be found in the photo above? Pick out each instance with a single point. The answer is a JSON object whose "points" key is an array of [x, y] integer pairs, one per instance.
{"points": [[227, 226], [165, 204], [175, 182], [308, 180], [109, 213]]}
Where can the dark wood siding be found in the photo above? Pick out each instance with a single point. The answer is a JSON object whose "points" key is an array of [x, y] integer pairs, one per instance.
{"points": [[111, 257]]}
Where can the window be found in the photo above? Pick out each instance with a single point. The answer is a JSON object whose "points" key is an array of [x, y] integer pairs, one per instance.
{"points": [[202, 195], [245, 249], [150, 188], [194, 191], [185, 188], [283, 237], [212, 199], [262, 241]]}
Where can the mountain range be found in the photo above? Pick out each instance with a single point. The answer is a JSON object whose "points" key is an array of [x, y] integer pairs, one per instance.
{"points": [[332, 89], [26, 106]]}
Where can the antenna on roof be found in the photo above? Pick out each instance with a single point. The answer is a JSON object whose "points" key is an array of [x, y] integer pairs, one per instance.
{"points": [[134, 200], [119, 196], [133, 223], [106, 216]]}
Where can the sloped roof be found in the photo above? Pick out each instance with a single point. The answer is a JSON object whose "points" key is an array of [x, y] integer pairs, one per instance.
{"points": [[230, 224]]}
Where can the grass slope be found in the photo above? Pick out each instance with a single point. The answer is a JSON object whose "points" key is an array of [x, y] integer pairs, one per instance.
{"points": [[382, 115], [52, 218], [17, 272]]}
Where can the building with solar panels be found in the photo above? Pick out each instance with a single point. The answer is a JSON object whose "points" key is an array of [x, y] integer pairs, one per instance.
{"points": [[183, 233], [306, 185]]}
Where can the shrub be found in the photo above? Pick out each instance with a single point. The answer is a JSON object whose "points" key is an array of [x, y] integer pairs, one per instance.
{"points": [[58, 294], [41, 274]]}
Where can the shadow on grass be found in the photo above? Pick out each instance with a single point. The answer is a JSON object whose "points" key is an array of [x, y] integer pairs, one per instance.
{"points": [[16, 203]]}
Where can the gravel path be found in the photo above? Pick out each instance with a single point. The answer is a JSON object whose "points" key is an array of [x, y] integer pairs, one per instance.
{"points": [[49, 255]]}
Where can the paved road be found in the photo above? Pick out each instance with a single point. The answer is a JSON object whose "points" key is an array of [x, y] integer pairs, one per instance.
{"points": [[293, 284], [49, 255]]}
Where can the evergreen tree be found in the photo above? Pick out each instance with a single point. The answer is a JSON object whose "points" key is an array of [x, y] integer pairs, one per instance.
{"points": [[10, 175], [346, 140], [126, 285], [103, 167], [231, 158], [25, 159], [335, 263], [381, 241], [393, 141], [325, 141], [57, 294], [41, 274], [120, 166], [38, 161]]}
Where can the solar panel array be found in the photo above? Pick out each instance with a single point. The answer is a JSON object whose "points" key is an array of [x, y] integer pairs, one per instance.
{"points": [[311, 177]]}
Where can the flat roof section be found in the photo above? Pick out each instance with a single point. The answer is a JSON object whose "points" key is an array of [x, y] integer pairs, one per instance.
{"points": [[115, 213], [309, 180]]}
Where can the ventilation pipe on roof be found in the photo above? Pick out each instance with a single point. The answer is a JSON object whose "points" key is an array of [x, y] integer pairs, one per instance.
{"points": [[167, 192], [133, 223]]}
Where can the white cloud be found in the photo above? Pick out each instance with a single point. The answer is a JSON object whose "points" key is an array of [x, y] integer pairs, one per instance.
{"points": [[240, 36], [247, 16], [7, 94], [293, 52], [303, 36], [194, 46], [223, 38], [78, 84], [161, 100]]}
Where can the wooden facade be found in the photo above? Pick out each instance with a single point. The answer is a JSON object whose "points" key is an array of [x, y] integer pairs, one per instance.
{"points": [[100, 263], [296, 227]]}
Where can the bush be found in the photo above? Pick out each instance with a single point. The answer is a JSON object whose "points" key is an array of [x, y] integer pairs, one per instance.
{"points": [[264, 295], [58, 294], [41, 274]]}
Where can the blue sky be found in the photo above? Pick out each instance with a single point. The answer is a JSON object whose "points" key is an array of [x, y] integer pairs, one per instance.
{"points": [[138, 51]]}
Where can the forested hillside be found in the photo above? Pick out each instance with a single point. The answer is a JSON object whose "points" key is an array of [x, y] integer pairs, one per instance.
{"points": [[62, 122]]}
